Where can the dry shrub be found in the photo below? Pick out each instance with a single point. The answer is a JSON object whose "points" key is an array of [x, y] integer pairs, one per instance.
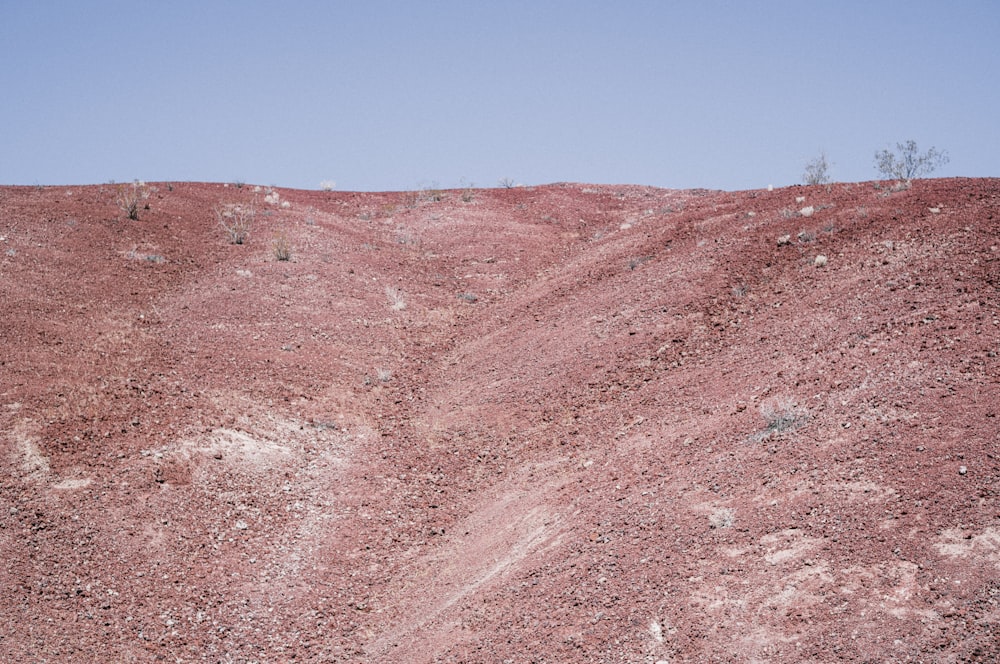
{"points": [[397, 299], [237, 220], [780, 415], [130, 198], [282, 249], [722, 518], [817, 170]]}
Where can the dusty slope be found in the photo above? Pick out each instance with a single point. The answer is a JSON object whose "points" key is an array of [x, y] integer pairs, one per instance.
{"points": [[531, 426]]}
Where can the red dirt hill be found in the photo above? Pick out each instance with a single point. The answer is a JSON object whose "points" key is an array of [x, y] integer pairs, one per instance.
{"points": [[564, 423]]}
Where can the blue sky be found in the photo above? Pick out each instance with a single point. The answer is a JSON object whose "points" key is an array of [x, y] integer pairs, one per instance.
{"points": [[396, 95]]}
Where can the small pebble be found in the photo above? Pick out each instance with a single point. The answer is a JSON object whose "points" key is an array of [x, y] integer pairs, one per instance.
{"points": [[962, 470]]}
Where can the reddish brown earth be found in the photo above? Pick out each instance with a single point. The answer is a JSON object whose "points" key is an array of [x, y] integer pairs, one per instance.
{"points": [[526, 427]]}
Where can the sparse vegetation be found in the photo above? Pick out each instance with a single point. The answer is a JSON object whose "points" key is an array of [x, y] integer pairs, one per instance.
{"points": [[817, 170], [407, 238], [237, 220], [907, 162], [780, 415], [327, 185], [433, 195], [381, 376], [722, 518], [506, 183], [136, 255], [636, 262], [130, 199], [410, 199], [397, 299], [728, 453], [282, 248]]}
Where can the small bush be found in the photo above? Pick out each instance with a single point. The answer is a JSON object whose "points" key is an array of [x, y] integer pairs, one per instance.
{"points": [[282, 249], [410, 199], [636, 262], [130, 198], [817, 170], [237, 220], [397, 300], [780, 415], [722, 518], [407, 238], [907, 162]]}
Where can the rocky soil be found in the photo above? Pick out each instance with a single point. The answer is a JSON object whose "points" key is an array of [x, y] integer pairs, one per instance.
{"points": [[565, 423]]}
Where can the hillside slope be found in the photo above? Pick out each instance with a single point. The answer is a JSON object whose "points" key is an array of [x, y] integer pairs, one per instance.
{"points": [[546, 424]]}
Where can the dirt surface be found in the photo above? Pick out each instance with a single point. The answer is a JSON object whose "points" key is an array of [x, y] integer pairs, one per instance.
{"points": [[566, 423]]}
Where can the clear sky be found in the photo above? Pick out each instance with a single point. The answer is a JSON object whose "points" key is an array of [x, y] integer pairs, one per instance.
{"points": [[404, 94]]}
